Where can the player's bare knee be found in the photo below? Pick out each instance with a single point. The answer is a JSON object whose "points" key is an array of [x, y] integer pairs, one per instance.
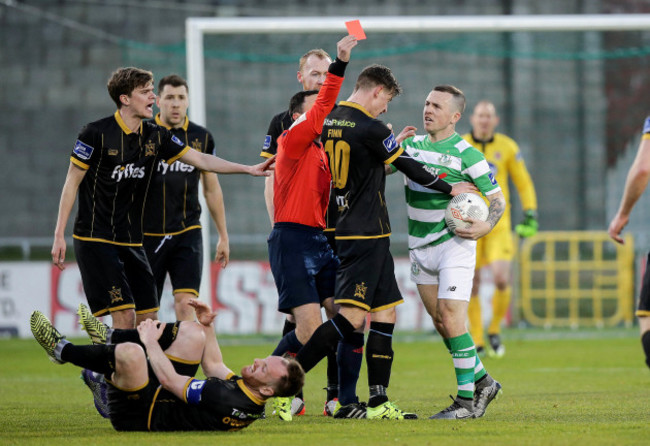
{"points": [[388, 316], [144, 316], [191, 331], [355, 315], [124, 319], [129, 354]]}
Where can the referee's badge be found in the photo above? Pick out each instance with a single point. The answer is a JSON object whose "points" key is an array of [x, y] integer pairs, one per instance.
{"points": [[415, 268]]}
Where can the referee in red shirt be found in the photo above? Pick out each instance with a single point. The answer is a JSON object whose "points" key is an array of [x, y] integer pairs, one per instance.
{"points": [[303, 264]]}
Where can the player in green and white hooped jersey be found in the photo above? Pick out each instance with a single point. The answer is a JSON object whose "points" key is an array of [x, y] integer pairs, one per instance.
{"points": [[442, 263]]}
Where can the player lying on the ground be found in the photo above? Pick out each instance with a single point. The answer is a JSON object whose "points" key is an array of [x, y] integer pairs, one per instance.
{"points": [[166, 400]]}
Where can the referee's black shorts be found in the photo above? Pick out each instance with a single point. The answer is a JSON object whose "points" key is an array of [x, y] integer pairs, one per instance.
{"points": [[303, 265]]}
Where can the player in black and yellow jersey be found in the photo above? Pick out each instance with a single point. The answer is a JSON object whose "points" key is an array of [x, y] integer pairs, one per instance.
{"points": [[172, 227], [110, 168], [359, 147], [148, 393]]}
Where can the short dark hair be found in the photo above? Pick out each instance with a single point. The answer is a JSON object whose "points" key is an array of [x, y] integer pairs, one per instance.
{"points": [[298, 100], [375, 75], [125, 80], [174, 80], [457, 93], [291, 383]]}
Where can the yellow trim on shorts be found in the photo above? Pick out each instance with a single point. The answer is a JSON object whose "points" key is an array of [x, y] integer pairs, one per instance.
{"points": [[361, 237], [266, 155], [106, 311], [353, 303], [153, 402], [646, 136], [642, 313], [123, 389], [182, 361], [103, 240], [186, 290], [151, 234], [329, 229], [149, 310], [394, 304]]}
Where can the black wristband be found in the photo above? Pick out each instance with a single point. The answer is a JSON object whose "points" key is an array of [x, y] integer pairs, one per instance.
{"points": [[338, 67]]}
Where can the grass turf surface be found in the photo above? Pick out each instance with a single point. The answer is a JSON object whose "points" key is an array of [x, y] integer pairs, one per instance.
{"points": [[560, 388]]}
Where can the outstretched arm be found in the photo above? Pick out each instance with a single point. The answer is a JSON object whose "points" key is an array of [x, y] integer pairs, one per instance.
{"points": [[215, 164]]}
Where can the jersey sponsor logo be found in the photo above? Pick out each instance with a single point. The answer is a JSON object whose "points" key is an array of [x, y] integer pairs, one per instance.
{"points": [[82, 150], [492, 179], [177, 141], [433, 171], [128, 171], [176, 166], [267, 142], [339, 123], [236, 413], [342, 202], [646, 125], [390, 144], [113, 152]]}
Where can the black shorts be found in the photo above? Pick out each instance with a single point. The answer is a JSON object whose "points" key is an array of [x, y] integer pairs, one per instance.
{"points": [[366, 277], [181, 256], [644, 299], [303, 265], [129, 409], [115, 277]]}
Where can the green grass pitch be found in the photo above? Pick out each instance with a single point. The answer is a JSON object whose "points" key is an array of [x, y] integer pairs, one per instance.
{"points": [[584, 387]]}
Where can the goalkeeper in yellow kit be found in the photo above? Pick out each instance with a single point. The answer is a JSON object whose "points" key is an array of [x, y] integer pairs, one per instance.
{"points": [[496, 249]]}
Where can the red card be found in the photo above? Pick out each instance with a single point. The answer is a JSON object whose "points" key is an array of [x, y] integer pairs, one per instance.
{"points": [[355, 29]]}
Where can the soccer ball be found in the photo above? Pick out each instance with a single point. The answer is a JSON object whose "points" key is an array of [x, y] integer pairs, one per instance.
{"points": [[465, 206]]}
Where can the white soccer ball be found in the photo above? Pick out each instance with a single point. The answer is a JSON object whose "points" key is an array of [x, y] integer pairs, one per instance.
{"points": [[464, 206]]}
